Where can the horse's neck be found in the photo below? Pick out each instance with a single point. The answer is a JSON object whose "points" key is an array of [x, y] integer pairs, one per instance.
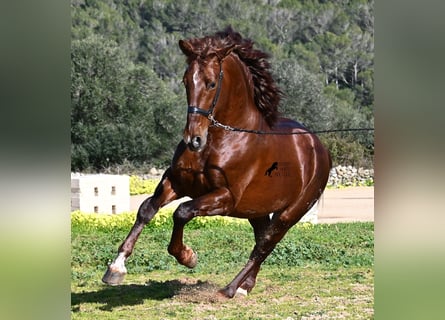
{"points": [[241, 101], [242, 112]]}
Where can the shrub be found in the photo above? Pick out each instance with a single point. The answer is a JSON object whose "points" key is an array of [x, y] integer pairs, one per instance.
{"points": [[91, 222], [142, 186]]}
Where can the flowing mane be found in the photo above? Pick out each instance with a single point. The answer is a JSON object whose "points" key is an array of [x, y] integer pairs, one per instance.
{"points": [[266, 93]]}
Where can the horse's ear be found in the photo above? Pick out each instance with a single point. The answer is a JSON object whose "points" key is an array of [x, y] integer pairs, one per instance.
{"points": [[186, 47], [224, 52]]}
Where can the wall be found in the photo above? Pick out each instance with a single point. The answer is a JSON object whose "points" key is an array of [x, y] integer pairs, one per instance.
{"points": [[350, 176], [100, 193]]}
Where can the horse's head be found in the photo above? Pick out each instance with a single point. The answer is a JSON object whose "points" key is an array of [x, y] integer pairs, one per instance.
{"points": [[203, 80], [249, 96]]}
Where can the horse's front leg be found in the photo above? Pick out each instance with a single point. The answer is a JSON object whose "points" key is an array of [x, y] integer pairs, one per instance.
{"points": [[219, 202], [164, 194]]}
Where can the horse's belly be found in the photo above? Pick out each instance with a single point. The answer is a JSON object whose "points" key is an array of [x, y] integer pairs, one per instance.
{"points": [[258, 208], [273, 193]]}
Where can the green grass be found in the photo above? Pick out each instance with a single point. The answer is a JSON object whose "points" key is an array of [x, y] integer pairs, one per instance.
{"points": [[315, 272]]}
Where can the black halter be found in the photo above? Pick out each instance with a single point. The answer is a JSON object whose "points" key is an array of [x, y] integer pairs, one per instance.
{"points": [[209, 113]]}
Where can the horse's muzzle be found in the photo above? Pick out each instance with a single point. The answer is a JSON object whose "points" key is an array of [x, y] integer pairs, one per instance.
{"points": [[195, 143], [195, 132]]}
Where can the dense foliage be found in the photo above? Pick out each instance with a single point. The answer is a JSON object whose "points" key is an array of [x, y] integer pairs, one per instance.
{"points": [[128, 103]]}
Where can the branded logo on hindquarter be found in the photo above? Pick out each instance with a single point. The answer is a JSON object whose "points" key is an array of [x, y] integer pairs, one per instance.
{"points": [[280, 169]]}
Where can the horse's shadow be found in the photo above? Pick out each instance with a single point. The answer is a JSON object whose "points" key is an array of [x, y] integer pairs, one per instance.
{"points": [[133, 294]]}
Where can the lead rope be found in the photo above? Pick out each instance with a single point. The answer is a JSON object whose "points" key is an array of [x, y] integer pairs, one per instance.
{"points": [[218, 124]]}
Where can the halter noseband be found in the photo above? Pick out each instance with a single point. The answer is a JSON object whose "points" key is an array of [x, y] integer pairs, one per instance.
{"points": [[209, 113]]}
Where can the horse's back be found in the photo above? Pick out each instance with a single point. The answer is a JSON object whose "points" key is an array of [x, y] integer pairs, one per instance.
{"points": [[312, 159], [285, 124], [301, 136]]}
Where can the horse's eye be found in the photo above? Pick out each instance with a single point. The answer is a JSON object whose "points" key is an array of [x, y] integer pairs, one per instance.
{"points": [[211, 85]]}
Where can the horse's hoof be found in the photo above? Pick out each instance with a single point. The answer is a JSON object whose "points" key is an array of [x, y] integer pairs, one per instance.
{"points": [[193, 261], [113, 276], [226, 293]]}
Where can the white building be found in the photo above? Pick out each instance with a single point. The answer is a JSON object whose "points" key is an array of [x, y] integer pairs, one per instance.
{"points": [[100, 193]]}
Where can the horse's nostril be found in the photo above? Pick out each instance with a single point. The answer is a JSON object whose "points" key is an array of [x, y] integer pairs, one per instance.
{"points": [[196, 142]]}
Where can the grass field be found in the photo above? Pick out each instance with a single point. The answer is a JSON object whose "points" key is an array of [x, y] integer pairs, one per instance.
{"points": [[316, 272]]}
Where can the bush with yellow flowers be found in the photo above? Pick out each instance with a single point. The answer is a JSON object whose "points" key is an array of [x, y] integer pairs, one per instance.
{"points": [[142, 186], [124, 221]]}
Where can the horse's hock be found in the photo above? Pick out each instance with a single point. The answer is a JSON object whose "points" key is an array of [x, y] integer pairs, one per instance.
{"points": [[100, 193]]}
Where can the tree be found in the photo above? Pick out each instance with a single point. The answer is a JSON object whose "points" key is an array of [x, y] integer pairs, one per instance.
{"points": [[303, 95], [115, 108], [127, 97]]}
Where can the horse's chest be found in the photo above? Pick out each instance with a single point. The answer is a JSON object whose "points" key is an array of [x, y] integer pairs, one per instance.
{"points": [[190, 177]]}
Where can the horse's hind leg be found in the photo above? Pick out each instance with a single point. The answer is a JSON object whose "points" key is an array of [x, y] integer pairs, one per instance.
{"points": [[263, 247], [164, 194], [266, 240], [259, 226]]}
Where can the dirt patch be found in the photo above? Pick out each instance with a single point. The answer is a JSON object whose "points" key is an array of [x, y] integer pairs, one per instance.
{"points": [[193, 291]]}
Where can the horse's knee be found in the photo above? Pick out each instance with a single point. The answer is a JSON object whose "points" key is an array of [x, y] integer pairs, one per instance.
{"points": [[146, 211], [183, 214], [267, 242]]}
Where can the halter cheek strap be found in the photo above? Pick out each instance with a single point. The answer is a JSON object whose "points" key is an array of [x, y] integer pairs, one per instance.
{"points": [[209, 113]]}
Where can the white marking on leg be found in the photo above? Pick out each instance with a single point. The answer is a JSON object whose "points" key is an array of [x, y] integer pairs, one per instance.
{"points": [[241, 291], [119, 263]]}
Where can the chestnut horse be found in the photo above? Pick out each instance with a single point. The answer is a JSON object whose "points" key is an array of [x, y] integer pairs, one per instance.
{"points": [[238, 158]]}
